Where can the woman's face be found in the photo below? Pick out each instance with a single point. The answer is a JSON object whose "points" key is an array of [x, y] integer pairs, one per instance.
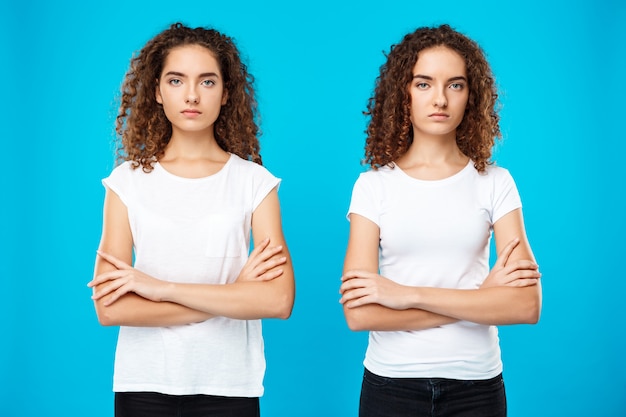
{"points": [[438, 91], [191, 89]]}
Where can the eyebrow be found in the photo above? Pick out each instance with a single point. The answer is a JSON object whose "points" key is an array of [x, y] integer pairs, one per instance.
{"points": [[428, 77], [203, 75]]}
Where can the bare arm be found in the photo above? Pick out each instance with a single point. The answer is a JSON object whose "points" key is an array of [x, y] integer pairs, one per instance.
{"points": [[131, 309], [493, 305], [271, 295], [362, 254], [248, 300], [513, 297]]}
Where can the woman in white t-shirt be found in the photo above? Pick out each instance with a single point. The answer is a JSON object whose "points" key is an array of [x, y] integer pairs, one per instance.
{"points": [[416, 272], [189, 191]]}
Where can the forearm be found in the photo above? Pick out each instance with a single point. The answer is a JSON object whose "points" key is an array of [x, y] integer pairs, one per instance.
{"points": [[133, 310], [490, 306], [375, 317], [239, 300]]}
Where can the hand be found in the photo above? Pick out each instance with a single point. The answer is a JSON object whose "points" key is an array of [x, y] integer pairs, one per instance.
{"points": [[521, 273], [261, 264], [125, 279], [360, 287]]}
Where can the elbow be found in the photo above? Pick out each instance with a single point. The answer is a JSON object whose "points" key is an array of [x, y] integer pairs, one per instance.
{"points": [[107, 316], [355, 320], [529, 317], [283, 308], [527, 308], [356, 326], [284, 312], [106, 320], [531, 311], [534, 314], [534, 309]]}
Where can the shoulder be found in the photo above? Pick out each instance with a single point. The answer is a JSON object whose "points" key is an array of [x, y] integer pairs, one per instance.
{"points": [[124, 170], [375, 182], [376, 175], [250, 175], [497, 171], [243, 165], [494, 174]]}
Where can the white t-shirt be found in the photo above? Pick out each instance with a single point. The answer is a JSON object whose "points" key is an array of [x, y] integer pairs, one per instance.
{"points": [[193, 231], [435, 234]]}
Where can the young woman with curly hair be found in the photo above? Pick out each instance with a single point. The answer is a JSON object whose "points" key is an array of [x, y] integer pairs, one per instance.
{"points": [[183, 202], [416, 272]]}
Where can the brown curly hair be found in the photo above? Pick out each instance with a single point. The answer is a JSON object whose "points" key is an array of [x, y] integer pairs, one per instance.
{"points": [[142, 129], [390, 132]]}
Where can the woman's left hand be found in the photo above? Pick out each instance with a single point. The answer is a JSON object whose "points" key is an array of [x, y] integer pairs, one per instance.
{"points": [[360, 287], [125, 279]]}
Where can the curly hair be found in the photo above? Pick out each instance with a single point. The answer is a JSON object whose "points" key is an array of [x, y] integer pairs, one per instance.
{"points": [[142, 129], [390, 132]]}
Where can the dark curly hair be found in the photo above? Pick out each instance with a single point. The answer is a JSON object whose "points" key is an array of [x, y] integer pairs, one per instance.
{"points": [[142, 129], [390, 132]]}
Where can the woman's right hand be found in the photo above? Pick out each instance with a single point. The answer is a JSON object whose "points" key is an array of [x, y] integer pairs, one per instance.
{"points": [[262, 262], [521, 273]]}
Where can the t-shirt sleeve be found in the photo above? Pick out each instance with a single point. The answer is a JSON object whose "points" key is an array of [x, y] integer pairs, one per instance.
{"points": [[264, 182], [506, 198], [118, 182], [364, 201]]}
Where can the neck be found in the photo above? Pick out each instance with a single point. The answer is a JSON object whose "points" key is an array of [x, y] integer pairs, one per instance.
{"points": [[432, 158], [193, 145], [434, 150]]}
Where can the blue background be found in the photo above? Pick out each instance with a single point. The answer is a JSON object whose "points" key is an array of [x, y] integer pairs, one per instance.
{"points": [[560, 66]]}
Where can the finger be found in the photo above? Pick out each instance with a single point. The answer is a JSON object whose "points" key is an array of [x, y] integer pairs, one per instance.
{"points": [[353, 294], [261, 246], [352, 274], [522, 274], [257, 250], [117, 294], [504, 254], [107, 289], [352, 284], [518, 275], [525, 282], [521, 264], [262, 267], [116, 262], [357, 302], [263, 255], [269, 253], [107, 276], [268, 276], [348, 275], [268, 265]]}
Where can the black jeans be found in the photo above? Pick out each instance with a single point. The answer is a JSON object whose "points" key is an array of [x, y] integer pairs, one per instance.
{"points": [[152, 404], [432, 397]]}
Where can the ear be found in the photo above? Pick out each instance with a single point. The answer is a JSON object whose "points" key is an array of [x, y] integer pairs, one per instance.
{"points": [[224, 97], [157, 93]]}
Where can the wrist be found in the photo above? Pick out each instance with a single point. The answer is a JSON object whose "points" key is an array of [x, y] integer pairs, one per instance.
{"points": [[168, 292]]}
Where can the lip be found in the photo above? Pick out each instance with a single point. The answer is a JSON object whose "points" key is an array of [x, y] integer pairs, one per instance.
{"points": [[191, 112], [439, 116]]}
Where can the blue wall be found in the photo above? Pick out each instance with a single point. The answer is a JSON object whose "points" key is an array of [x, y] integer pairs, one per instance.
{"points": [[560, 66]]}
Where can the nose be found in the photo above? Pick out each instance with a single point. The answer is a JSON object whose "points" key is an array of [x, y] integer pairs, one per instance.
{"points": [[440, 99], [192, 97]]}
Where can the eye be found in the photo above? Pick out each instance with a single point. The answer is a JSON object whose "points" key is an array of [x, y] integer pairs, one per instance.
{"points": [[457, 86], [175, 81], [422, 85], [208, 83]]}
